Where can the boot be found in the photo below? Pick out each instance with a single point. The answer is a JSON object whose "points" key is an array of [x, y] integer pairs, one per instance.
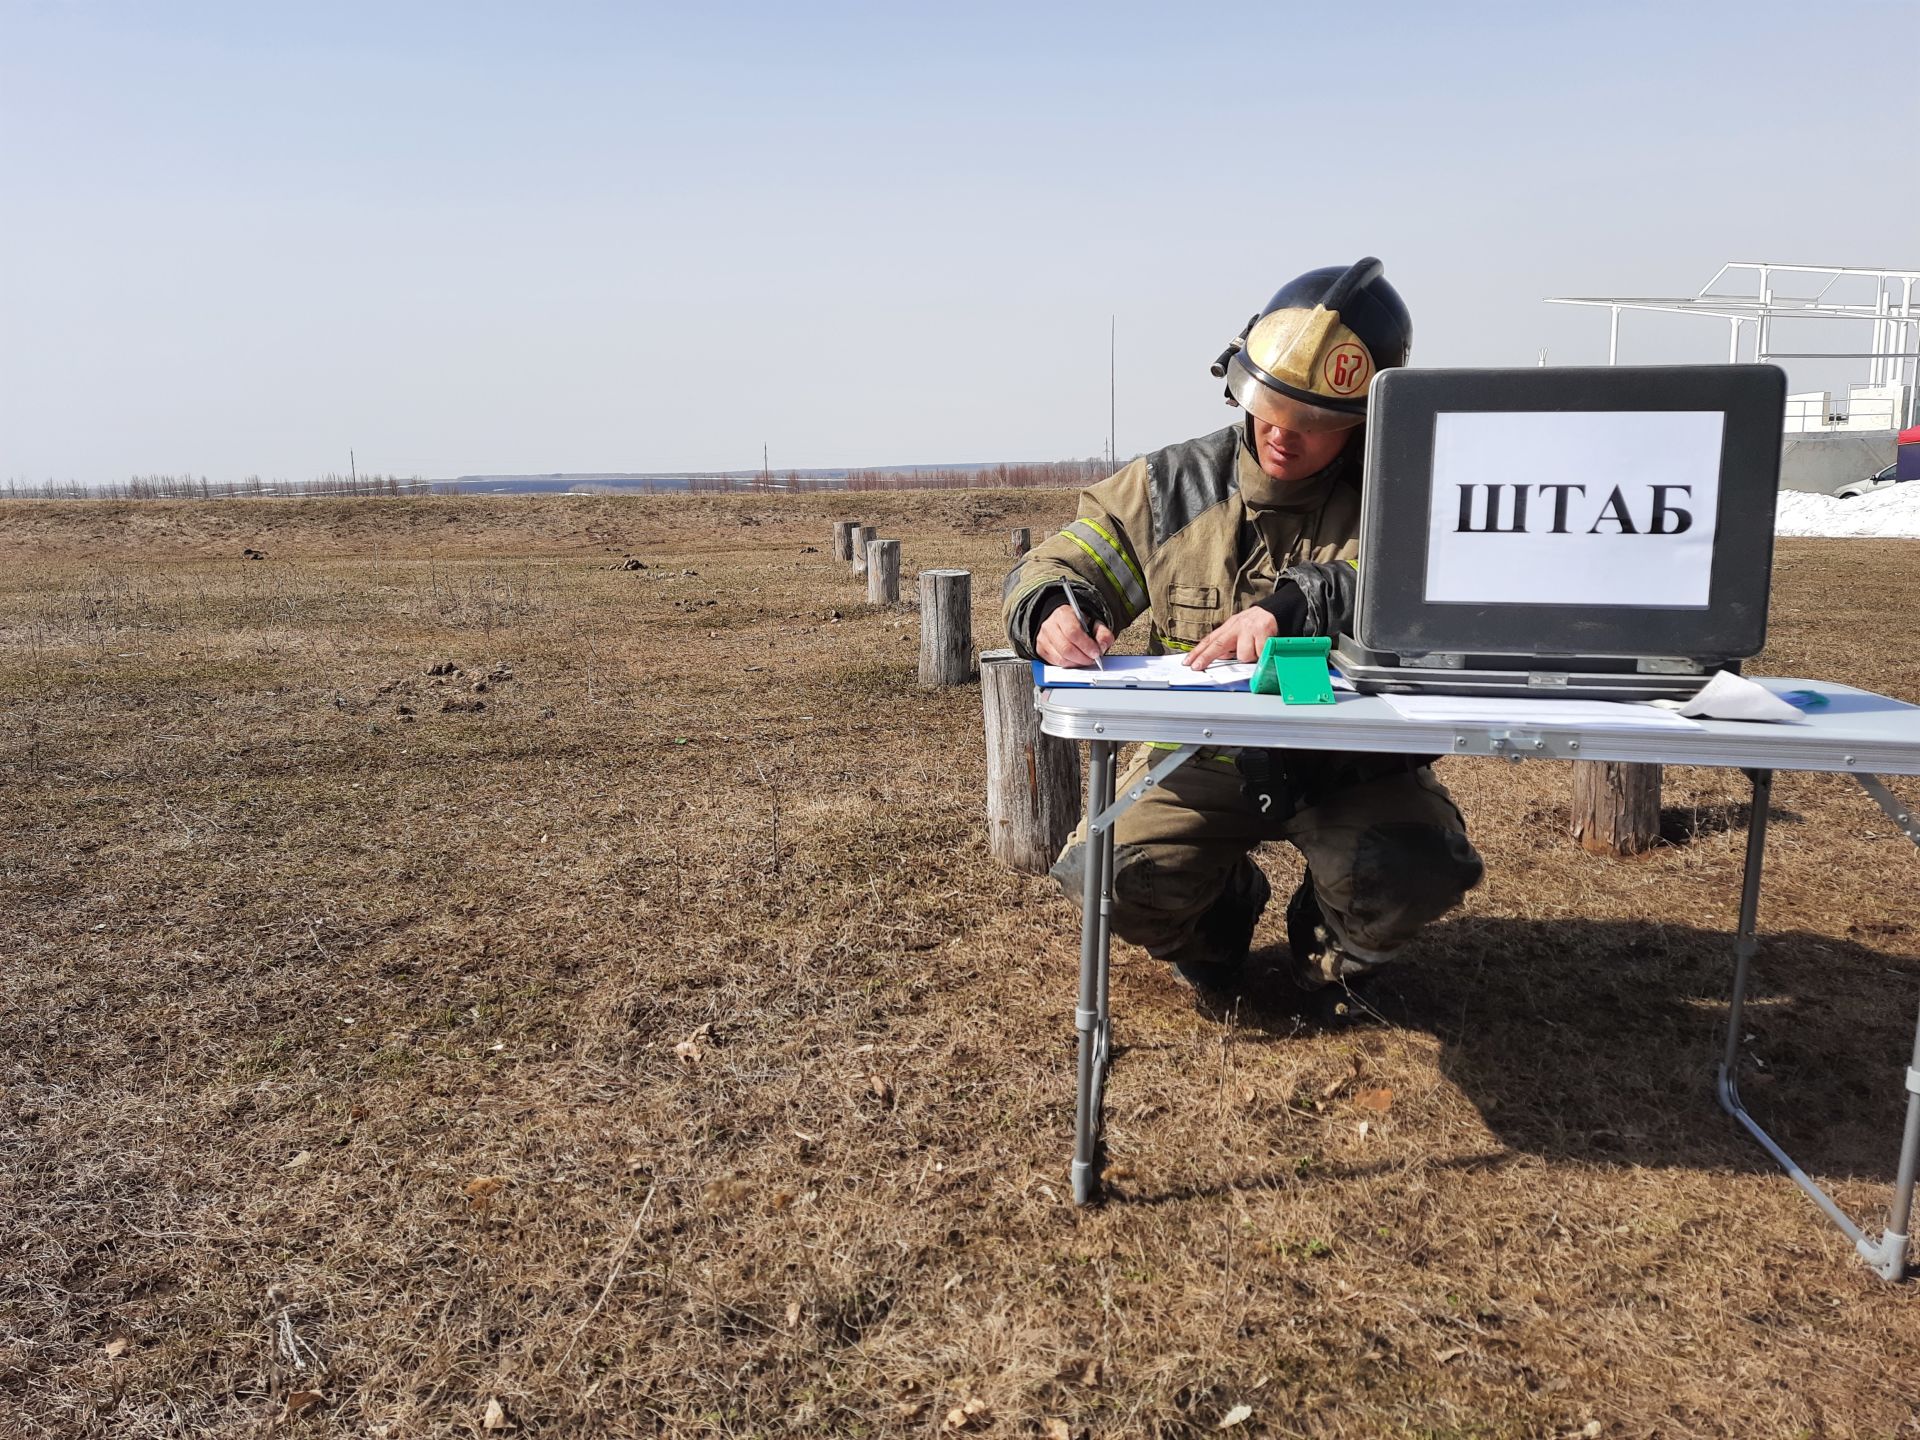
{"points": [[1318, 960]]}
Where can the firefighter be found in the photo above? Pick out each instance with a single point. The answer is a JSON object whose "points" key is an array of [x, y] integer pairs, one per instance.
{"points": [[1217, 544]]}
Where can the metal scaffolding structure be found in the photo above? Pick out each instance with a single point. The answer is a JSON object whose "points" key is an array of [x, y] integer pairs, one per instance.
{"points": [[1893, 356]]}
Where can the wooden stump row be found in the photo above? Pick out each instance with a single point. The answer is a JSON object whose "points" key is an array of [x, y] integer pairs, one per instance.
{"points": [[946, 600], [870, 558], [1033, 779]]}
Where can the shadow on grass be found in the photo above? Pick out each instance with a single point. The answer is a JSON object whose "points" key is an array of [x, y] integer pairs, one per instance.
{"points": [[1684, 824], [1599, 1041]]}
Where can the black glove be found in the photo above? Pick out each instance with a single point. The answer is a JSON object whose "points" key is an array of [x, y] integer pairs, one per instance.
{"points": [[1328, 589], [1050, 600], [1288, 606]]}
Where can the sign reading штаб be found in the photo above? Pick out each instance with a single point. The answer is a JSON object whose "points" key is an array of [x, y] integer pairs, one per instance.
{"points": [[1574, 508]]}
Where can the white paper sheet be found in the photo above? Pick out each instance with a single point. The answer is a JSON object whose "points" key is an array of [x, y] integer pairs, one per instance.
{"points": [[1151, 672], [1497, 709]]}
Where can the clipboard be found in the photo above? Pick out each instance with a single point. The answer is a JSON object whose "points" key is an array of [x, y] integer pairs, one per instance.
{"points": [[1143, 672]]}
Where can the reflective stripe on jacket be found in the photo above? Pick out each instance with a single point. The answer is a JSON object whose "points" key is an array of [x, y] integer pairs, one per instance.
{"points": [[1173, 536]]}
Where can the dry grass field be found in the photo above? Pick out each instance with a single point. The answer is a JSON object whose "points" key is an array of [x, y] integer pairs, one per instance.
{"points": [[624, 1032]]}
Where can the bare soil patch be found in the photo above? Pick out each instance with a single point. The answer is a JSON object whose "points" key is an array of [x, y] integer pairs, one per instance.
{"points": [[455, 981]]}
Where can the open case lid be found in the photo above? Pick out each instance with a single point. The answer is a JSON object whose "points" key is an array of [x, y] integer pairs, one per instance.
{"points": [[1622, 511]]}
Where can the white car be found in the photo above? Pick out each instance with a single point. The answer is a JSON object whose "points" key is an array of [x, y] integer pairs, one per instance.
{"points": [[1879, 480]]}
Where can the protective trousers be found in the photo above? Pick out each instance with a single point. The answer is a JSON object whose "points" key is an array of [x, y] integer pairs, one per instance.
{"points": [[1386, 855]]}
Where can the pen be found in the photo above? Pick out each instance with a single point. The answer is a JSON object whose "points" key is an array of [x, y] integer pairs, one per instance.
{"points": [[1081, 616]]}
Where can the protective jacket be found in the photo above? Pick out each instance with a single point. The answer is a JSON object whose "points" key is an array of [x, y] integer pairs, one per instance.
{"points": [[1191, 535]]}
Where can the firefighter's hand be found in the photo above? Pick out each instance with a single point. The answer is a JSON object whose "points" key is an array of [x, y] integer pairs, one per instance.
{"points": [[1239, 639], [1061, 641]]}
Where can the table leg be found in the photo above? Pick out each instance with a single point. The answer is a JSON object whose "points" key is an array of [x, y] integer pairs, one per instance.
{"points": [[1893, 1245], [1891, 1258], [1103, 1024], [1091, 1017], [1746, 939], [1887, 1255], [1090, 1014]]}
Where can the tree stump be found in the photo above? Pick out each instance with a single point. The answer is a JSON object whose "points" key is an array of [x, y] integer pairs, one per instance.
{"points": [[946, 627], [1019, 543], [863, 536], [843, 539], [883, 572], [1616, 806], [1033, 779]]}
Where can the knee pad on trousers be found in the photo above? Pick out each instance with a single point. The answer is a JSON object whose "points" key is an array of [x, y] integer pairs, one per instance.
{"points": [[1133, 871], [1410, 872]]}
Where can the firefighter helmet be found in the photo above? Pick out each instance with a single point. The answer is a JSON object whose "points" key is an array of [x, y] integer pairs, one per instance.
{"points": [[1307, 360]]}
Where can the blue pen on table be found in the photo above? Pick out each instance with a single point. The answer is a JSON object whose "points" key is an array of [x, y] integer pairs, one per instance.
{"points": [[1081, 616], [1805, 699]]}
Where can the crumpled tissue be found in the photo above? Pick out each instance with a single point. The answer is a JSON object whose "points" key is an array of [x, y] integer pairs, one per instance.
{"points": [[1728, 696]]}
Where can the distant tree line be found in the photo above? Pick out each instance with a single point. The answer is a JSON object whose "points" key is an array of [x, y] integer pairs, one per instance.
{"points": [[192, 487], [1014, 475], [1008, 475]]}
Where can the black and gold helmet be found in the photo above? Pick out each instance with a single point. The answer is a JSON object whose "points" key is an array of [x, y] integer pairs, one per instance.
{"points": [[1307, 360]]}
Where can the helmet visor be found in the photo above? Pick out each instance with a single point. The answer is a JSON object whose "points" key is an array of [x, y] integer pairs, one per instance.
{"points": [[1263, 402]]}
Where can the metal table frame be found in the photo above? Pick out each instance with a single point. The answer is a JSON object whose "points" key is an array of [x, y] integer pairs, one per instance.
{"points": [[1861, 730]]}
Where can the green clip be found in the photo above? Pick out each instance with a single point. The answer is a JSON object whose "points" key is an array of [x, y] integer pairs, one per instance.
{"points": [[1295, 669]]}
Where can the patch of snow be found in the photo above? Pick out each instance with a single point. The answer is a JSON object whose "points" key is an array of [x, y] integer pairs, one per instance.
{"points": [[1886, 514]]}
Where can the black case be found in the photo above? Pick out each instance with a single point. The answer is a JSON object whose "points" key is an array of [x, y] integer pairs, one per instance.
{"points": [[1400, 627]]}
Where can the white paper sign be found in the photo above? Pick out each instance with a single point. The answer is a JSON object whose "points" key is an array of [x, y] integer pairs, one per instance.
{"points": [[1574, 508]]}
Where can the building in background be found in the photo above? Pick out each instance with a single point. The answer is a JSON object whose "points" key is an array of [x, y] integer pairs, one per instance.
{"points": [[1829, 439]]}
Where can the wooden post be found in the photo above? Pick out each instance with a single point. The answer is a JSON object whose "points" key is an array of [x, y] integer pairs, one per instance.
{"points": [[863, 536], [946, 627], [883, 572], [1616, 806], [1033, 779], [843, 539], [1020, 542]]}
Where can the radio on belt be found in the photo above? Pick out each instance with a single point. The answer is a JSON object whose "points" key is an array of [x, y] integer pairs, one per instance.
{"points": [[1605, 532]]}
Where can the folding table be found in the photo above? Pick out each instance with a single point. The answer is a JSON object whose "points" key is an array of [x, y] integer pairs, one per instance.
{"points": [[1856, 733]]}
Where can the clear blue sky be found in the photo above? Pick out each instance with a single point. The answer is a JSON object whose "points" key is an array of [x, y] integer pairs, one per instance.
{"points": [[461, 237]]}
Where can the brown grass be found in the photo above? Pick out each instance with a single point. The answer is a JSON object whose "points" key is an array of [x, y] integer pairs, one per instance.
{"points": [[337, 1034]]}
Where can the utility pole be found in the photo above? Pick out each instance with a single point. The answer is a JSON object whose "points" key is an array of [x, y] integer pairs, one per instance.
{"points": [[765, 473], [353, 468], [1113, 405]]}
